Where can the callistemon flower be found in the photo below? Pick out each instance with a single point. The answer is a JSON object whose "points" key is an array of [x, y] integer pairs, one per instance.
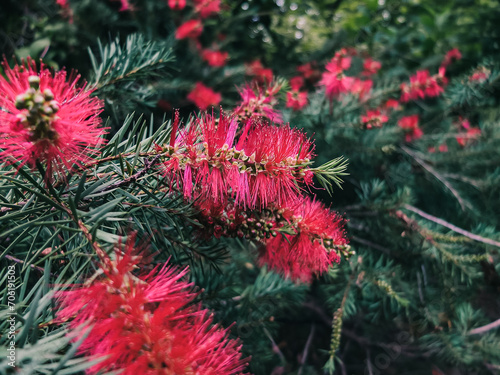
{"points": [[214, 58], [296, 99], [263, 75], [422, 85], [410, 126], [371, 67], [46, 118], [298, 240], [203, 96], [451, 56], [373, 119], [207, 7], [392, 104], [480, 75], [258, 102], [146, 324], [191, 29], [177, 4], [334, 80], [266, 164], [471, 134], [316, 241], [361, 87]]}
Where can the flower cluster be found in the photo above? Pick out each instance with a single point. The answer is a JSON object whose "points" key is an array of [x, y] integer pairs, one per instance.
{"points": [[299, 240], [410, 126], [371, 67], [257, 102], [481, 74], [373, 119], [203, 96], [46, 119], [336, 81], [251, 186], [451, 55], [296, 99], [202, 8], [214, 58], [146, 324], [257, 70], [422, 85], [265, 165], [467, 133]]}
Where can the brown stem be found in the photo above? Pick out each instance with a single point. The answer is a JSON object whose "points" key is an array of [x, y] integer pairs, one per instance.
{"points": [[454, 228]]}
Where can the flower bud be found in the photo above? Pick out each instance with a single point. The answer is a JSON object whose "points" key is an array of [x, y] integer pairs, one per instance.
{"points": [[34, 81]]}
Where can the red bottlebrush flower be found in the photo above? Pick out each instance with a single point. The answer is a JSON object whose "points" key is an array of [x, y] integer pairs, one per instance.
{"points": [[392, 104], [266, 164], [45, 118], [214, 58], [318, 240], [371, 67], [373, 119], [203, 96], [296, 83], [334, 79], [480, 75], [361, 88], [263, 75], [410, 125], [450, 56], [309, 72], [335, 83], [443, 148], [144, 325], [464, 123], [66, 9], [258, 102], [422, 85], [471, 135], [207, 7], [300, 239], [296, 100], [125, 5], [177, 4], [191, 29]]}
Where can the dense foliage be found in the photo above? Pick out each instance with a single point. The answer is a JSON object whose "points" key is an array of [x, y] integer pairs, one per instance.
{"points": [[255, 186]]}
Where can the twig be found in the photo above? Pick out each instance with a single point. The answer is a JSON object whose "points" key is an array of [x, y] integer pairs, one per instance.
{"points": [[435, 173], [369, 362], [486, 328], [14, 259], [454, 228], [306, 349], [147, 165], [342, 368], [276, 348]]}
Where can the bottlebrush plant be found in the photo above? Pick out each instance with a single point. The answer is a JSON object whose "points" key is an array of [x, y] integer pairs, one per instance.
{"points": [[178, 207]]}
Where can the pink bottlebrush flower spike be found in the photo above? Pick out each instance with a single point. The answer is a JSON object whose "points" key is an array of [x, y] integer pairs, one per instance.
{"points": [[46, 118], [207, 7], [318, 242], [147, 324], [410, 126], [258, 102], [373, 119], [191, 29], [214, 58], [203, 96], [266, 164]]}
